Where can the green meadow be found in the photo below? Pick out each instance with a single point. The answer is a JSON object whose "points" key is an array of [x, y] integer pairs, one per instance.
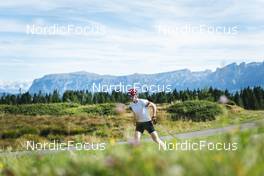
{"points": [[146, 159], [62, 122], [102, 122]]}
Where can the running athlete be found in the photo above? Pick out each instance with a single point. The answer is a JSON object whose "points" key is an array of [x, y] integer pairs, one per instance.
{"points": [[142, 118]]}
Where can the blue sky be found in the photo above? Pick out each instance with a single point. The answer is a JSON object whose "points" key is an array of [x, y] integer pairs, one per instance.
{"points": [[130, 41]]}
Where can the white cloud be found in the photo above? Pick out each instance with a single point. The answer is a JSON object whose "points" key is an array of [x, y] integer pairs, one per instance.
{"points": [[9, 26], [131, 43]]}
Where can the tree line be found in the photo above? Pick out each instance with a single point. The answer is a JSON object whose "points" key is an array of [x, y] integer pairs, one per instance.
{"points": [[249, 98]]}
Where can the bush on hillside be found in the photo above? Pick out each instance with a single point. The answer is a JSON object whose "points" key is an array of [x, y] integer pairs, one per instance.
{"points": [[59, 109], [100, 109], [195, 110], [36, 109], [59, 130], [15, 133]]}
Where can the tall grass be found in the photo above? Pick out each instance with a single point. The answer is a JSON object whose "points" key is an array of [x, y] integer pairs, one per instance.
{"points": [[146, 159]]}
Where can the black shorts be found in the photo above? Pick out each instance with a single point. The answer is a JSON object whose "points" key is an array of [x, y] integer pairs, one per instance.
{"points": [[141, 126]]}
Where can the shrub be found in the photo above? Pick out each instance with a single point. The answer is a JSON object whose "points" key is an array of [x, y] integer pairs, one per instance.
{"points": [[195, 110], [15, 133], [100, 109], [56, 137], [101, 133], [31, 137], [36, 109], [57, 130], [230, 102], [9, 134], [53, 130], [59, 109]]}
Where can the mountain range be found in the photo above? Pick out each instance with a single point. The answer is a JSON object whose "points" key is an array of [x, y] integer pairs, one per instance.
{"points": [[232, 77], [14, 87]]}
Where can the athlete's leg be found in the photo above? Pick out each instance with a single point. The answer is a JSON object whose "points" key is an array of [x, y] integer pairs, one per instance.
{"points": [[137, 136], [155, 137]]}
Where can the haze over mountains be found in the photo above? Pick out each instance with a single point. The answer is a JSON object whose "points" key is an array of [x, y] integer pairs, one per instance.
{"points": [[232, 77], [14, 87]]}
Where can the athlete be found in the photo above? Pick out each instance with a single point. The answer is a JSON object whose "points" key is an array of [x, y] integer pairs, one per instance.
{"points": [[142, 118]]}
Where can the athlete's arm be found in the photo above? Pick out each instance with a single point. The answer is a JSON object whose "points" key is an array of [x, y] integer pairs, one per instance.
{"points": [[154, 108]]}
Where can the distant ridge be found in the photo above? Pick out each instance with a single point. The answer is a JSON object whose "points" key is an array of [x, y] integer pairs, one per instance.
{"points": [[232, 77]]}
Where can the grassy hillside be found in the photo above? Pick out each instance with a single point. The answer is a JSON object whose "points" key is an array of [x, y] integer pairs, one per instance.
{"points": [[101, 122]]}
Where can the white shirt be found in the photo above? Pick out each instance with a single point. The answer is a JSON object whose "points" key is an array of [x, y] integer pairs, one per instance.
{"points": [[141, 110]]}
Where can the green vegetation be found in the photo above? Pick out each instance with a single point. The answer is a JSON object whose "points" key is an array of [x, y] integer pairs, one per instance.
{"points": [[62, 122], [100, 109], [57, 109], [36, 109], [195, 110], [146, 159], [248, 98], [100, 123]]}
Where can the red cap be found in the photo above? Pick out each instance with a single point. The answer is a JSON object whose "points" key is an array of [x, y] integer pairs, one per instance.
{"points": [[132, 91]]}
